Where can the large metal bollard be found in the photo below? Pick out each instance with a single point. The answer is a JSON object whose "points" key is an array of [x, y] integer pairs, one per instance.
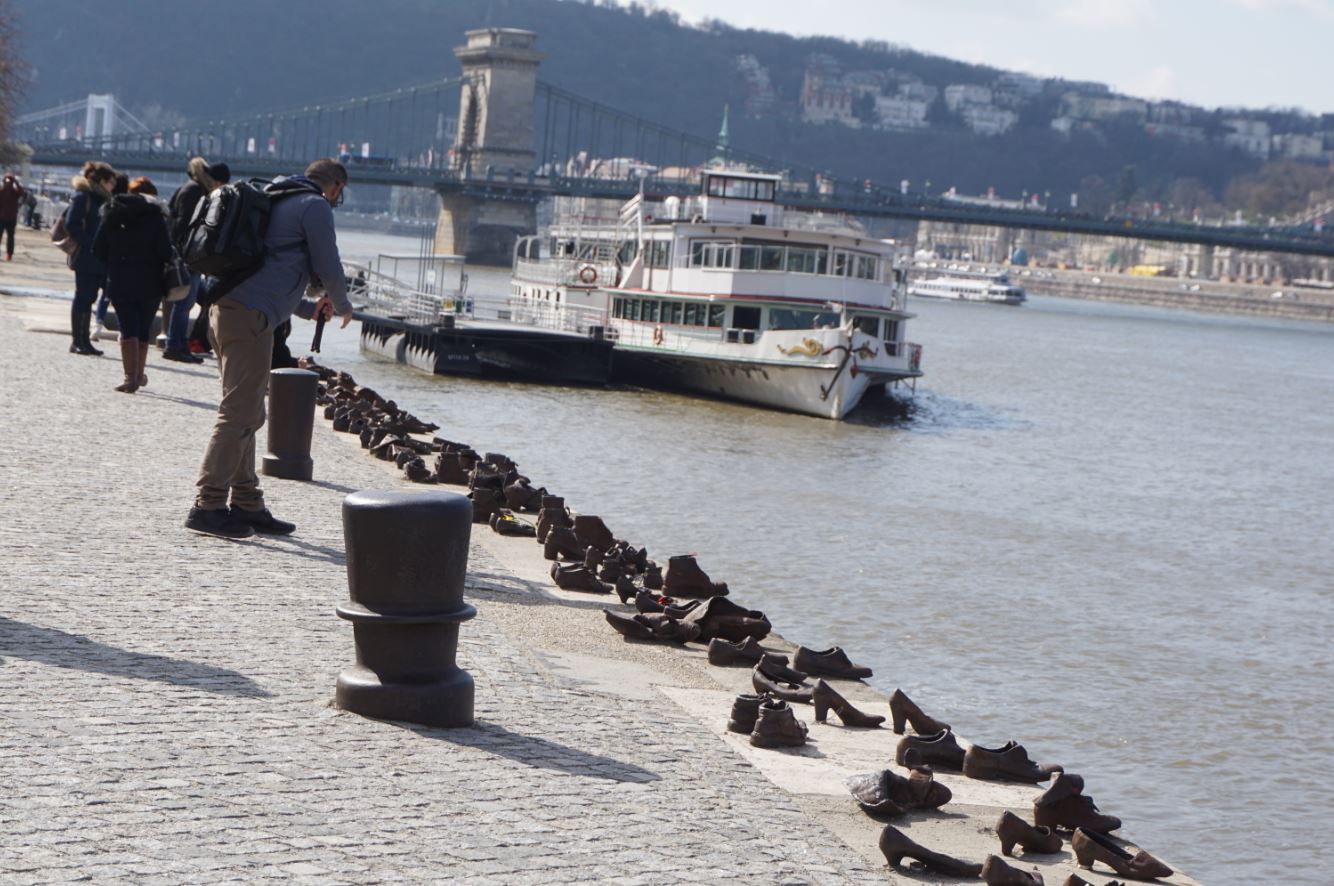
{"points": [[291, 420], [407, 556]]}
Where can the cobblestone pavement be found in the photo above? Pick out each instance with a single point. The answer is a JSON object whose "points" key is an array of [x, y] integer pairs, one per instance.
{"points": [[165, 711]]}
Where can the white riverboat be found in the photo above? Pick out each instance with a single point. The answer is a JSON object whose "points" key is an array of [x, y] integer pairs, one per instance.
{"points": [[994, 288], [729, 295]]}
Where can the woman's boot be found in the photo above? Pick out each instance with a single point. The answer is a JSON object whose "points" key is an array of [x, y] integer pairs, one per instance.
{"points": [[78, 330], [129, 361], [143, 362]]}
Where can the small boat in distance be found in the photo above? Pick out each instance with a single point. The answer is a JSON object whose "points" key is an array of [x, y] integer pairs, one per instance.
{"points": [[995, 288]]}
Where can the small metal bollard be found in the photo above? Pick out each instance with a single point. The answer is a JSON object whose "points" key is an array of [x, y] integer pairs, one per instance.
{"points": [[291, 420], [407, 556]]}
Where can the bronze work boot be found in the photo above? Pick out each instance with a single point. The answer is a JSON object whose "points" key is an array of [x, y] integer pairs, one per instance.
{"points": [[576, 577], [722, 653], [1091, 846], [652, 576], [886, 794], [902, 709], [1065, 807], [552, 516], [896, 846], [779, 688], [593, 532], [1009, 762], [776, 726], [825, 699], [1012, 829], [745, 710], [997, 873], [831, 662], [941, 749], [561, 544], [684, 578]]}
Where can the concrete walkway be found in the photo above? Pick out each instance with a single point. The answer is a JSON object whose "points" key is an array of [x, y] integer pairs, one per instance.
{"points": [[165, 714]]}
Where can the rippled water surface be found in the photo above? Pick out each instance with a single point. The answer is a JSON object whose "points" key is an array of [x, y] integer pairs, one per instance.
{"points": [[1104, 531]]}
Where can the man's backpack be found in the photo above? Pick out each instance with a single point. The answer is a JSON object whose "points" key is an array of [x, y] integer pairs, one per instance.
{"points": [[225, 237]]}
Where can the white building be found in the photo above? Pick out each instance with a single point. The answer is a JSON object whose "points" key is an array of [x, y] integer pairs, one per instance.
{"points": [[1299, 147], [1096, 107], [896, 112], [989, 120], [1251, 137], [962, 95]]}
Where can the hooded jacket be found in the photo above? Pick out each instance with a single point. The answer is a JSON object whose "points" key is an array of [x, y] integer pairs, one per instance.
{"points": [[82, 219], [300, 242], [132, 242], [11, 198]]}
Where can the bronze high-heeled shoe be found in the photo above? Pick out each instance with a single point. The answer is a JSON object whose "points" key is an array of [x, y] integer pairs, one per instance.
{"points": [[825, 698], [1091, 846], [1012, 829], [997, 873], [895, 846], [901, 707]]}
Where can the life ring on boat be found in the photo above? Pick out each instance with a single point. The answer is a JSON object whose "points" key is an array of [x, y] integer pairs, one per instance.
{"points": [[588, 275], [657, 335]]}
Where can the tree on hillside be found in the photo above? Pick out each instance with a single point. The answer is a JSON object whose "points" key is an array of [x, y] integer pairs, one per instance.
{"points": [[13, 75], [1282, 188]]}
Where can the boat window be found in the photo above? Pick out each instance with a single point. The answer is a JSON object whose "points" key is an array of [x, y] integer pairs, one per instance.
{"points": [[634, 309], [803, 260], [710, 254], [764, 191], [650, 312], [716, 313], [618, 307], [786, 318], [740, 188], [748, 258], [891, 331], [840, 264], [627, 253], [866, 324], [716, 185], [771, 258], [659, 253], [691, 311], [745, 317], [671, 312], [865, 267]]}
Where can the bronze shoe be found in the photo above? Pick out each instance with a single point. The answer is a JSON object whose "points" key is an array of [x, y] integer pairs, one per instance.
{"points": [[776, 726], [1009, 762], [1091, 846], [886, 794], [831, 662], [901, 707], [1012, 829], [629, 626], [745, 710], [896, 846], [775, 667], [1064, 807], [625, 588], [720, 617], [669, 629], [1076, 880], [794, 692], [941, 749], [562, 544], [505, 523], [652, 576], [591, 531], [646, 601], [576, 577], [997, 873], [684, 578], [723, 653], [825, 698]]}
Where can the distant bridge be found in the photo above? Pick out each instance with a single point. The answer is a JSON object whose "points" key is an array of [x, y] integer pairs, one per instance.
{"points": [[497, 141]]}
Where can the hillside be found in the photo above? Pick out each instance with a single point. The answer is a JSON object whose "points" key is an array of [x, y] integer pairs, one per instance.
{"points": [[966, 126]]}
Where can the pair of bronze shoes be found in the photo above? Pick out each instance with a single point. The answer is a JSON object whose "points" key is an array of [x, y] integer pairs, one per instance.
{"points": [[769, 722], [651, 627], [1064, 806], [886, 794]]}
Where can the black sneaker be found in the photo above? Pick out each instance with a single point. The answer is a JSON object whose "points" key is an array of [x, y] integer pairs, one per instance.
{"points": [[181, 356], [219, 522], [262, 521]]}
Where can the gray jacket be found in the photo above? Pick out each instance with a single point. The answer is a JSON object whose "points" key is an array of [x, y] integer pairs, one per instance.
{"points": [[300, 241]]}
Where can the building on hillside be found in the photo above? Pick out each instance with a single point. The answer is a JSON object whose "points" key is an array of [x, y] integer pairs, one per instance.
{"points": [[1294, 146], [988, 119], [897, 112], [1176, 131], [1105, 108], [1174, 114], [962, 95], [760, 96], [825, 98], [1012, 89], [1251, 137]]}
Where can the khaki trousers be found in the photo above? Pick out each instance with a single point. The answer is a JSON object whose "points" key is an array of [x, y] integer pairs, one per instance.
{"points": [[243, 341]]}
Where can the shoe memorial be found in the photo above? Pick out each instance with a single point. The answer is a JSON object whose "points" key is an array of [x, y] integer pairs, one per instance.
{"points": [[576, 577], [995, 872], [777, 726], [886, 794], [1009, 762], [1065, 807], [1091, 846], [684, 578], [625, 588], [902, 709], [832, 662], [940, 749], [745, 711], [415, 470], [1012, 829], [896, 846], [505, 523], [667, 629], [652, 576], [724, 653], [591, 531], [629, 626], [775, 667], [825, 699], [786, 690], [720, 617], [561, 544]]}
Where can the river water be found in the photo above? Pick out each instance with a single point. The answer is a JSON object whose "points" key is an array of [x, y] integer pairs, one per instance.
{"points": [[1104, 531]]}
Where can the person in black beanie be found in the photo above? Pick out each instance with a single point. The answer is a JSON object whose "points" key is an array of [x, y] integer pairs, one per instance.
{"points": [[204, 178]]}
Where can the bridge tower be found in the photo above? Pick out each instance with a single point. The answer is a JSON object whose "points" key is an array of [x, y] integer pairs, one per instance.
{"points": [[495, 138]]}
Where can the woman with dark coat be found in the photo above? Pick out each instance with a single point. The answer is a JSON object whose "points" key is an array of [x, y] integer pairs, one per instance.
{"points": [[134, 243], [82, 218]]}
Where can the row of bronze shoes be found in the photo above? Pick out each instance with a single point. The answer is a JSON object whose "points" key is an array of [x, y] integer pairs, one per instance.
{"points": [[682, 604]]}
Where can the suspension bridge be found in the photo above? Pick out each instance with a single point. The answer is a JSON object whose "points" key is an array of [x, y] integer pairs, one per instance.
{"points": [[497, 140]]}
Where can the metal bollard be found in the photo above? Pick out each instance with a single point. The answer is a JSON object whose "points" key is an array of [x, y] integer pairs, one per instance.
{"points": [[291, 419], [407, 556]]}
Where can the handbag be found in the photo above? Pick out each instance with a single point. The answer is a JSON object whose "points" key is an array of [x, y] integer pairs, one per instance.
{"points": [[176, 277], [60, 236]]}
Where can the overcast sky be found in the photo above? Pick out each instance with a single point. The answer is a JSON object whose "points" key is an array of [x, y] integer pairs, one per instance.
{"points": [[1252, 53]]}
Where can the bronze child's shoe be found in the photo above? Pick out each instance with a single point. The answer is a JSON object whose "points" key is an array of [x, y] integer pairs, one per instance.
{"points": [[1091, 846], [831, 662], [776, 726], [1065, 807], [1012, 829], [902, 709], [745, 710], [1009, 762], [723, 653], [886, 794], [997, 873], [896, 846], [825, 698], [941, 749]]}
